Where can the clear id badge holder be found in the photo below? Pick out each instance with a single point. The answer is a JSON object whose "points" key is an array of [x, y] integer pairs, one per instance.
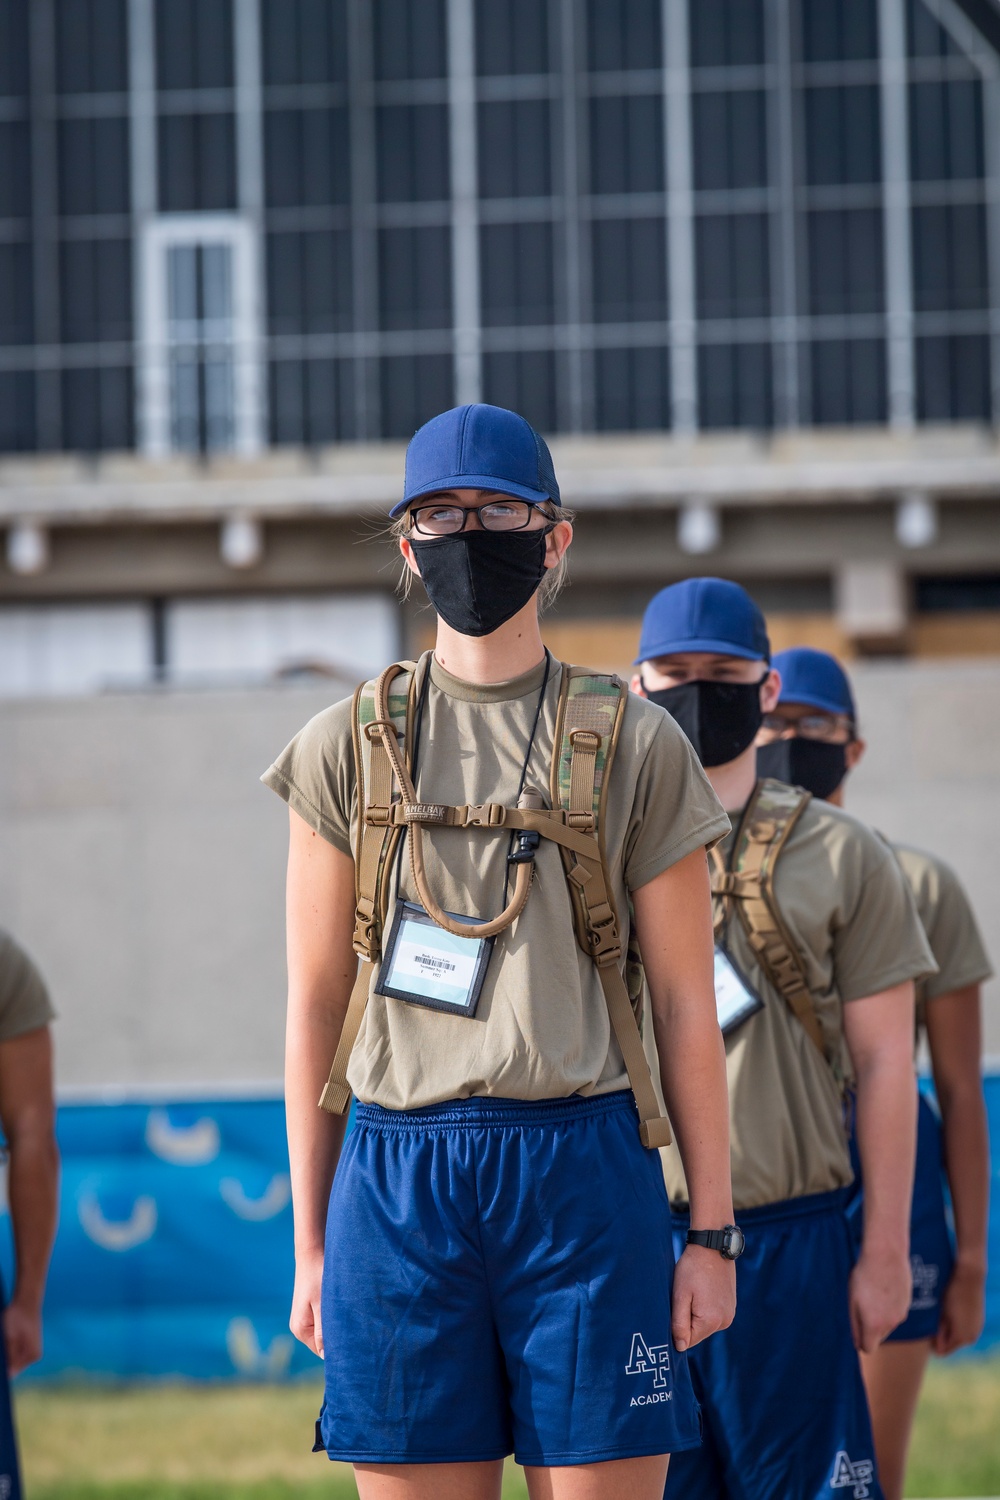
{"points": [[427, 966], [735, 998]]}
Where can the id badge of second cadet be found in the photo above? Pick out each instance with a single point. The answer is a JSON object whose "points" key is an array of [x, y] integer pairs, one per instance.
{"points": [[736, 1000]]}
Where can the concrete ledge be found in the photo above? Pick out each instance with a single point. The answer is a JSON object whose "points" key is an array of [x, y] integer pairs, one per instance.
{"points": [[596, 472]]}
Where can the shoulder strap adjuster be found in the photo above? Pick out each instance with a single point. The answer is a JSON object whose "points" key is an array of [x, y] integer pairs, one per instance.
{"points": [[376, 729], [763, 831], [584, 740]]}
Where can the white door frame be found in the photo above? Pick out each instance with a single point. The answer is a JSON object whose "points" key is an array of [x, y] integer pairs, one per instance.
{"points": [[158, 235]]}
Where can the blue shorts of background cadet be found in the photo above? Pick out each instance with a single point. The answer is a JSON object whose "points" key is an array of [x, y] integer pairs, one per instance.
{"points": [[932, 1255], [10, 1479], [531, 1311], [798, 1254]]}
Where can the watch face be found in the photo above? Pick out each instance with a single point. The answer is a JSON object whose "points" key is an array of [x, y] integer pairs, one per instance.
{"points": [[735, 1243]]}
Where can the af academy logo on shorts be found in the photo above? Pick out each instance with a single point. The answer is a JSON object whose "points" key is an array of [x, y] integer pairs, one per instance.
{"points": [[925, 1284], [857, 1475], [650, 1359]]}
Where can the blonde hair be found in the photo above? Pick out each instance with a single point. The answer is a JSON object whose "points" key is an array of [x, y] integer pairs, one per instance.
{"points": [[552, 584]]}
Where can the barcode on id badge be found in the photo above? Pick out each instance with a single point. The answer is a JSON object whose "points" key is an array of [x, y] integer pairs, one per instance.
{"points": [[426, 961]]}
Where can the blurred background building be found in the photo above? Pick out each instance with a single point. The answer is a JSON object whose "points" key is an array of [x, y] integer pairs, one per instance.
{"points": [[740, 258]]}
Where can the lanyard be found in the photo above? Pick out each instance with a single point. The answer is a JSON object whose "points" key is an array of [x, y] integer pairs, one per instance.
{"points": [[418, 725]]}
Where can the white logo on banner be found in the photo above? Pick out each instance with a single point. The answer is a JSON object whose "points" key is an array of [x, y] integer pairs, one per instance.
{"points": [[858, 1475], [117, 1234], [183, 1145], [250, 1359], [276, 1196]]}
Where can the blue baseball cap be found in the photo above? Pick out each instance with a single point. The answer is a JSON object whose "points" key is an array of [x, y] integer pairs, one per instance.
{"points": [[478, 447], [703, 614], [816, 679]]}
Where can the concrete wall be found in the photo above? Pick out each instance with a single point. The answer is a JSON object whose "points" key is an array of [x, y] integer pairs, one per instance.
{"points": [[142, 863], [931, 777]]}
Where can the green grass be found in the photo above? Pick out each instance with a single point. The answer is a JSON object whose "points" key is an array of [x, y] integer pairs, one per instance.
{"points": [[956, 1440], [177, 1442]]}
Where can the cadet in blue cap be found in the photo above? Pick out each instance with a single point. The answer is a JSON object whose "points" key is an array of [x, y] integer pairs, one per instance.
{"points": [[492, 1270], [818, 945], [811, 739]]}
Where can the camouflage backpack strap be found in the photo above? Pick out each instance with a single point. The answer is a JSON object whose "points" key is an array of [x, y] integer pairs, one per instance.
{"points": [[382, 706], [588, 727], [771, 814]]}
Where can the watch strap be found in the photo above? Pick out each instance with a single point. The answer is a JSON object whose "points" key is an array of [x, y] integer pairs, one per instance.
{"points": [[709, 1239]]}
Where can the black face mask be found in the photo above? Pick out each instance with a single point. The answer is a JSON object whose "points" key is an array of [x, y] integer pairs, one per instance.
{"points": [[476, 580], [719, 718], [813, 764]]}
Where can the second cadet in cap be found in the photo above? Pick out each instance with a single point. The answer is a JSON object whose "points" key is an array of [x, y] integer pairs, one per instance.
{"points": [[811, 738], [818, 946]]}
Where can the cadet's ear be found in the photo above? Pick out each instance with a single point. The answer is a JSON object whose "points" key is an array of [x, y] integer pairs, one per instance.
{"points": [[770, 691], [407, 550], [636, 684], [855, 752], [557, 542]]}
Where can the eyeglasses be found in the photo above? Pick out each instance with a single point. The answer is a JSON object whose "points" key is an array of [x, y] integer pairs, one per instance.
{"points": [[444, 519], [831, 729]]}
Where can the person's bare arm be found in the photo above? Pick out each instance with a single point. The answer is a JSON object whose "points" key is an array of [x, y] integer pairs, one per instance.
{"points": [[879, 1035], [954, 1034], [673, 916], [321, 969], [27, 1113]]}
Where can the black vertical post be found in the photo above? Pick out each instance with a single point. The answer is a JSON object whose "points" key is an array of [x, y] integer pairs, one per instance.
{"points": [[45, 225], [364, 216]]}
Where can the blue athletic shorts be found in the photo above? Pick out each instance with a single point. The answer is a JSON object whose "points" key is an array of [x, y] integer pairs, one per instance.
{"points": [[10, 1478], [782, 1399], [497, 1278], [932, 1257]]}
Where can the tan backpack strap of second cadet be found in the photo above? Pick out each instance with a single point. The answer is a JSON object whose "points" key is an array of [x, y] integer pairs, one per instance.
{"points": [[588, 728], [376, 842], [772, 813]]}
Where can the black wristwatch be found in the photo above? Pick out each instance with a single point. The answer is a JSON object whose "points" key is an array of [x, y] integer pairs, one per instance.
{"points": [[729, 1242]]}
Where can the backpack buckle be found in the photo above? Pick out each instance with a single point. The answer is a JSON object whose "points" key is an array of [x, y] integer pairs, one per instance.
{"points": [[377, 815], [488, 815], [583, 822], [604, 942], [365, 941]]}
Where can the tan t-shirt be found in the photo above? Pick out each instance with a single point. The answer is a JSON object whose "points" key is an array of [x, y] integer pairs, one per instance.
{"points": [[949, 923], [541, 1029], [24, 1000], [855, 925]]}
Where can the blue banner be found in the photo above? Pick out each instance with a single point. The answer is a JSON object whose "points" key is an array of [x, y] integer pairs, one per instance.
{"points": [[174, 1253]]}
